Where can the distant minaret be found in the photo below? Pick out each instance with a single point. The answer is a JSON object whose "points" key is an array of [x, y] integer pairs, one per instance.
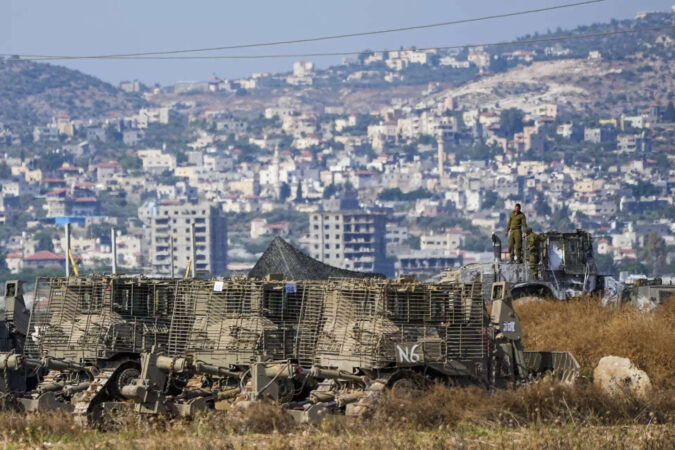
{"points": [[441, 153]]}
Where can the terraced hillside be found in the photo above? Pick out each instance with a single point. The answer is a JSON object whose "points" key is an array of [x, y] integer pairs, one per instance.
{"points": [[35, 92]]}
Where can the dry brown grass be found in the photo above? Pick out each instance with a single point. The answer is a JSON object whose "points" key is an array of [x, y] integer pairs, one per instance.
{"points": [[540, 415], [207, 433], [590, 331], [538, 404]]}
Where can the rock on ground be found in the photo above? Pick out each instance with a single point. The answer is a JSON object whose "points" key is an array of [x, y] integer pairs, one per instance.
{"points": [[615, 374]]}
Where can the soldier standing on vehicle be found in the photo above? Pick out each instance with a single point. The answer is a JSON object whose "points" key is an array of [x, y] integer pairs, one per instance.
{"points": [[532, 242], [514, 228]]}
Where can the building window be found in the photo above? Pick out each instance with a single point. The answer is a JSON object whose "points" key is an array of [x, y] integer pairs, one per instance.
{"points": [[337, 245], [328, 236], [327, 247]]}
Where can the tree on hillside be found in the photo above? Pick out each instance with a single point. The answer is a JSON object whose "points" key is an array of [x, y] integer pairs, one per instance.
{"points": [[413, 242], [669, 114], [560, 220], [5, 171], [511, 121], [3, 262], [284, 192], [644, 189], [489, 200], [45, 242], [605, 264], [653, 254], [50, 161], [541, 206], [634, 267]]}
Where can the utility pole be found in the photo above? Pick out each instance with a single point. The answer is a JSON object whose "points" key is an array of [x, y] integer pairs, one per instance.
{"points": [[67, 249], [173, 273], [194, 250], [113, 244]]}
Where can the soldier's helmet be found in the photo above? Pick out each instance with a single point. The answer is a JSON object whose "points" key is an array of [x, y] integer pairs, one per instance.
{"points": [[528, 230]]}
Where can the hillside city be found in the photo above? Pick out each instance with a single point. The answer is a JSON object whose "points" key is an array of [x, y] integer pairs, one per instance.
{"points": [[399, 162]]}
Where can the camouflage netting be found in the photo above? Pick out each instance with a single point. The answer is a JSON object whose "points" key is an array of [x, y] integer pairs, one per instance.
{"points": [[282, 258]]}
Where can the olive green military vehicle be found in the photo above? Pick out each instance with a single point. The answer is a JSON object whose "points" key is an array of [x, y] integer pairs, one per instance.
{"points": [[85, 336], [225, 331], [566, 269], [13, 330], [644, 294], [320, 347]]}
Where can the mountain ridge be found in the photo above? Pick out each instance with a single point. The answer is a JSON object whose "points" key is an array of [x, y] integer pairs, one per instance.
{"points": [[32, 92]]}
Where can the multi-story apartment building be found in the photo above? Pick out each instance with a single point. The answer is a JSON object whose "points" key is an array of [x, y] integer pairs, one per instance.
{"points": [[354, 240], [171, 222], [447, 242]]}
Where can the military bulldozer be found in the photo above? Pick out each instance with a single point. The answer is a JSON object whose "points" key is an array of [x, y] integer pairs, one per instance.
{"points": [[228, 337], [84, 339], [566, 269], [321, 347], [13, 330], [408, 335]]}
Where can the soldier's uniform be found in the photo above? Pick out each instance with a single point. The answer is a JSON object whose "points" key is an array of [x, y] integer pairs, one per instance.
{"points": [[514, 227], [533, 242]]}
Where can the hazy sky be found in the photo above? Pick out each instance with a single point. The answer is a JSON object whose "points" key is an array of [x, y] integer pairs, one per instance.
{"points": [[75, 27]]}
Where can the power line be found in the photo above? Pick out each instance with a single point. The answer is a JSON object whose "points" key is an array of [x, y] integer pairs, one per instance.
{"points": [[320, 38], [351, 53]]}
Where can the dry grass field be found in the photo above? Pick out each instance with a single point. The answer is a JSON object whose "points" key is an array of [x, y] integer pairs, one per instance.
{"points": [[541, 415]]}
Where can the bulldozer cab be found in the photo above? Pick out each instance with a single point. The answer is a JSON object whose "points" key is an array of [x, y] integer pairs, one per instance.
{"points": [[568, 252]]}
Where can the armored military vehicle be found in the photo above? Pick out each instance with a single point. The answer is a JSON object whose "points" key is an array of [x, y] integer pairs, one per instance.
{"points": [[644, 294], [89, 332], [13, 329], [339, 336], [566, 269], [407, 335], [219, 329], [14, 321]]}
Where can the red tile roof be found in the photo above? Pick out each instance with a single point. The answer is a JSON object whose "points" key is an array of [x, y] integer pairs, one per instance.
{"points": [[45, 255], [106, 165], [57, 192]]}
